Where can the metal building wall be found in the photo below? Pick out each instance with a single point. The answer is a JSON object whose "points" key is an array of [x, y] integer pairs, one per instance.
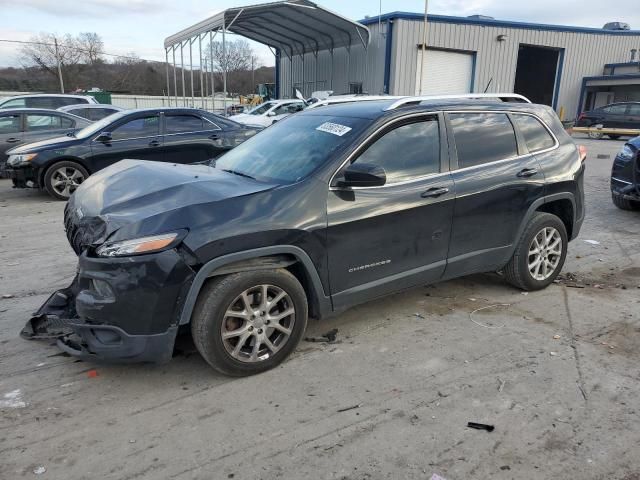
{"points": [[585, 54], [366, 66]]}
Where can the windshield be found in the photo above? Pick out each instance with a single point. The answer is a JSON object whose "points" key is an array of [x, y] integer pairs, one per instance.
{"points": [[99, 126], [292, 148], [260, 109]]}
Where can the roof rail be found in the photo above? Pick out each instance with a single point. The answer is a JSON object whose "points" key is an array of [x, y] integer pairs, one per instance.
{"points": [[503, 97]]}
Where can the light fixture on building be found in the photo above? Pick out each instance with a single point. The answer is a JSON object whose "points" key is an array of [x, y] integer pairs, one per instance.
{"points": [[501, 38]]}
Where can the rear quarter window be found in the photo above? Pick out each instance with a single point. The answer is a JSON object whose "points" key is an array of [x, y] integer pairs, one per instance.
{"points": [[536, 136]]}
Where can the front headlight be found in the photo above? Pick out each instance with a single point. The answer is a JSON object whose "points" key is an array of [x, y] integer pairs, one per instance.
{"points": [[627, 153], [138, 246], [19, 160]]}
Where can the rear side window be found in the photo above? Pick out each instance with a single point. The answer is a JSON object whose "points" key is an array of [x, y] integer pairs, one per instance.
{"points": [[536, 136], [43, 102], [98, 113], [406, 152], [634, 109], [183, 124], [64, 101], [482, 138], [36, 122], [616, 109], [138, 128], [10, 124], [82, 112]]}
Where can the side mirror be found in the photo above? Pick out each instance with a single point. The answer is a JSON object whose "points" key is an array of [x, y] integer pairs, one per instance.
{"points": [[104, 137], [363, 175]]}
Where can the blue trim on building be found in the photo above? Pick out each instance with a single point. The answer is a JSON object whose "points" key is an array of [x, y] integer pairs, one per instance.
{"points": [[556, 89], [387, 57], [621, 64], [278, 73], [496, 23], [583, 88]]}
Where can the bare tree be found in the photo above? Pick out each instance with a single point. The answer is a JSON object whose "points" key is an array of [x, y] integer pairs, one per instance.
{"points": [[237, 56]]}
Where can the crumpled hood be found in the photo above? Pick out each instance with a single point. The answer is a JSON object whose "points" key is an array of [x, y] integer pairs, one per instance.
{"points": [[133, 191]]}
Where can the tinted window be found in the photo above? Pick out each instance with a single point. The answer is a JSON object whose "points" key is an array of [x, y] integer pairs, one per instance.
{"points": [[43, 102], [67, 122], [10, 124], [98, 113], [261, 109], [64, 101], [140, 127], [406, 152], [482, 138], [634, 109], [616, 109], [81, 112], [183, 123], [535, 135], [303, 144], [15, 103], [37, 122]]}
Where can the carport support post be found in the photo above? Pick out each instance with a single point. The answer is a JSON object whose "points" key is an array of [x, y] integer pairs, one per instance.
{"points": [[315, 82], [423, 52], [303, 79], [166, 57], [55, 42], [184, 90], [175, 76], [213, 81], [201, 72], [224, 67], [191, 68], [331, 77]]}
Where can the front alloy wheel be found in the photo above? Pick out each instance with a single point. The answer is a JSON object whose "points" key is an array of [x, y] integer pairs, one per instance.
{"points": [[249, 322], [63, 178], [545, 253]]}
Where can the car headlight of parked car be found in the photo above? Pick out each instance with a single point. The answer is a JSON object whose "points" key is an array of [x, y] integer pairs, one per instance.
{"points": [[20, 160], [627, 152], [138, 246]]}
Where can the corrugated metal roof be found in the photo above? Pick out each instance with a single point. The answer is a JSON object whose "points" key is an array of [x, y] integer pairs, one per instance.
{"points": [[295, 26]]}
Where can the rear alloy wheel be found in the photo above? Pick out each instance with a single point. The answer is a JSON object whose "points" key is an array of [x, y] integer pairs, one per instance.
{"points": [[540, 253], [248, 322], [63, 178], [595, 135]]}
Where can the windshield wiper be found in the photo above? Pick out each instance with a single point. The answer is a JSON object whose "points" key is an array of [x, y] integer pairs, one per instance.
{"points": [[235, 172]]}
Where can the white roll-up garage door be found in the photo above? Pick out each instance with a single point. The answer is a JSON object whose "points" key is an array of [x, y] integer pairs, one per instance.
{"points": [[444, 72]]}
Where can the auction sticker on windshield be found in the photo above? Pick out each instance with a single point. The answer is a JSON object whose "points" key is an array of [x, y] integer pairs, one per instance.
{"points": [[334, 128]]}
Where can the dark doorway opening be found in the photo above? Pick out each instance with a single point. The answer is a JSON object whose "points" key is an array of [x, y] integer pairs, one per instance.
{"points": [[537, 73]]}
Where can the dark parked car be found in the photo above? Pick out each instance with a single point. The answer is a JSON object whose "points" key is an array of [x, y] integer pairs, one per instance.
{"points": [[617, 115], [177, 135], [326, 209], [91, 112], [45, 100], [625, 176], [25, 125]]}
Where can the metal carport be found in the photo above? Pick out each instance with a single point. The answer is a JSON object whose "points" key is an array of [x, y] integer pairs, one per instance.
{"points": [[293, 28]]}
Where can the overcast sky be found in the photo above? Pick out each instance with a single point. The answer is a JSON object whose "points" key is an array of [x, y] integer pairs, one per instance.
{"points": [[141, 26]]}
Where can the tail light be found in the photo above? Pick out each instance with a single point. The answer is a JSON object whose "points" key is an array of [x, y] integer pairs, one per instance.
{"points": [[582, 152]]}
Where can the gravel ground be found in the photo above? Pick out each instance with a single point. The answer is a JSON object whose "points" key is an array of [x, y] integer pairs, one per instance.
{"points": [[557, 374]]}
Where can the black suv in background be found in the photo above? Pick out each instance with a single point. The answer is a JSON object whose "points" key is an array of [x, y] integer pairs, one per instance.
{"points": [[326, 209], [625, 176], [624, 115], [178, 135]]}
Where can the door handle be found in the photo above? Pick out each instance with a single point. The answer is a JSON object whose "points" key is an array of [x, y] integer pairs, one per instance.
{"points": [[434, 192], [12, 140], [527, 172], [154, 143], [215, 136]]}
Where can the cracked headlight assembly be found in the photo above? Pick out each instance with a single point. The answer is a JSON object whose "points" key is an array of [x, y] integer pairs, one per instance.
{"points": [[138, 246], [20, 160]]}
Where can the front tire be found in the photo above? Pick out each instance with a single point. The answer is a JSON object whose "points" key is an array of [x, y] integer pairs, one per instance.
{"points": [[248, 322], [63, 178], [540, 253], [624, 203]]}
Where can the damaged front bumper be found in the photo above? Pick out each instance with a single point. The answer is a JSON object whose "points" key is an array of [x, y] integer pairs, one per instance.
{"points": [[118, 309], [25, 177]]}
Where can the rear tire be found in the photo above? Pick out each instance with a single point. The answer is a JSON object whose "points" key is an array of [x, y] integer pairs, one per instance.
{"points": [[624, 203], [539, 254], [63, 178], [233, 314]]}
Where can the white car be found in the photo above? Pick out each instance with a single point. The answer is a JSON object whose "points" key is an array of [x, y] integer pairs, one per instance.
{"points": [[46, 100], [269, 112], [93, 112]]}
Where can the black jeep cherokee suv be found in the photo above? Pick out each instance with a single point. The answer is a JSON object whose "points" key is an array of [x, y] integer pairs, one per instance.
{"points": [[326, 209]]}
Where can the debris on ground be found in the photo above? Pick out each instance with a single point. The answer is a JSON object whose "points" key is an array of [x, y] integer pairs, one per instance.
{"points": [[556, 337], [346, 409], [39, 470], [481, 426], [330, 337], [13, 399], [92, 373], [592, 242], [502, 383], [485, 308], [7, 295], [435, 476], [553, 354], [418, 315]]}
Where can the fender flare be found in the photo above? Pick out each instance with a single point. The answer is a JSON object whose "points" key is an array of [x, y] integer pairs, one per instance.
{"points": [[208, 270]]}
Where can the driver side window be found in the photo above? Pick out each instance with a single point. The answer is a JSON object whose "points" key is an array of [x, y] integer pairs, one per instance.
{"points": [[407, 152], [137, 128]]}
